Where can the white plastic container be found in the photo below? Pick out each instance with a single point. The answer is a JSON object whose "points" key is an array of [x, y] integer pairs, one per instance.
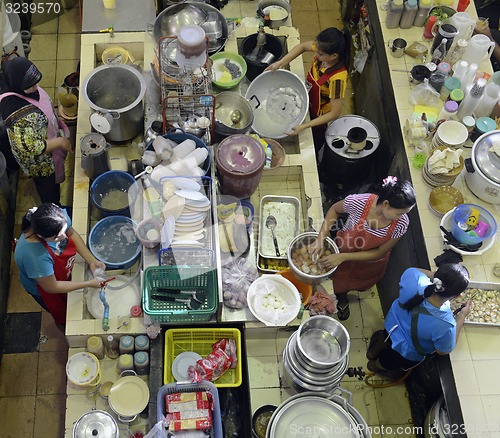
{"points": [[489, 100], [424, 6], [409, 12]]}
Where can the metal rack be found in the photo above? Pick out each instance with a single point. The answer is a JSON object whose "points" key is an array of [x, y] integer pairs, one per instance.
{"points": [[185, 93]]}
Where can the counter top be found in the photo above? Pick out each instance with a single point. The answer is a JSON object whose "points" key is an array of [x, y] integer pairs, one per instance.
{"points": [[476, 358]]}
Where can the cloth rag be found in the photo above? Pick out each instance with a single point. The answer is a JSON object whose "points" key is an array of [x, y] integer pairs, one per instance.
{"points": [[441, 162]]}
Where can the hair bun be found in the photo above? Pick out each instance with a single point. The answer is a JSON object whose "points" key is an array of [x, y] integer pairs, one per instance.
{"points": [[438, 284]]}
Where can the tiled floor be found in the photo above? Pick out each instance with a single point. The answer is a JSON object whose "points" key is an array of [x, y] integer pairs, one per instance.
{"points": [[33, 385]]}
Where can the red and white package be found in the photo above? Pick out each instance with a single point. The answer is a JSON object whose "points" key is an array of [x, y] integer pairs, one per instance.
{"points": [[222, 357], [187, 401], [189, 415], [192, 424]]}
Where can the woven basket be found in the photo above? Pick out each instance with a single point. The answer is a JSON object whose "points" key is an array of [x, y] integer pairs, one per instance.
{"points": [[278, 157]]}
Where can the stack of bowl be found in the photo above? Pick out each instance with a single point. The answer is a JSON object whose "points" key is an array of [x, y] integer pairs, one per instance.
{"points": [[441, 179], [451, 134], [316, 355]]}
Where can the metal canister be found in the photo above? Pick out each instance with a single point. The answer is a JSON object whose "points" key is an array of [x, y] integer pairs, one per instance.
{"points": [[95, 159]]}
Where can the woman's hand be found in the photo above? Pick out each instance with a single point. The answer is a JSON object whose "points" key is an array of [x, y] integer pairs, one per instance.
{"points": [[333, 260], [296, 130], [467, 309], [273, 67], [316, 249], [97, 264], [95, 283]]}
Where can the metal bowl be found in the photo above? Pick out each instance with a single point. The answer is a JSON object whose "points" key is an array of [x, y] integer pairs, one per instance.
{"points": [[226, 103], [323, 341], [306, 239]]}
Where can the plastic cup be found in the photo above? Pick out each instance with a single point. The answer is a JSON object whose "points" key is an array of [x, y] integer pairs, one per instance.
{"points": [[482, 23]]}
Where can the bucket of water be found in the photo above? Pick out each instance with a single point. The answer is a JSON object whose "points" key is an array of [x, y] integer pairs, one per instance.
{"points": [[255, 65], [113, 193]]}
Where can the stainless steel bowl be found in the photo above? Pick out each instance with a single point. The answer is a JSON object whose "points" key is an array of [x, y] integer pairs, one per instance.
{"points": [[306, 239], [323, 341], [226, 103]]}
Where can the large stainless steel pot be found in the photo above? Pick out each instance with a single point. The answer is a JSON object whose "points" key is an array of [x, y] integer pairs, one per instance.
{"points": [[233, 114], [170, 20], [98, 424], [115, 93], [483, 168], [279, 101]]}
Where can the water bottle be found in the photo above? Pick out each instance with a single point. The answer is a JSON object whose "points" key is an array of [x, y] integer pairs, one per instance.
{"points": [[409, 12], [471, 101], [424, 6]]}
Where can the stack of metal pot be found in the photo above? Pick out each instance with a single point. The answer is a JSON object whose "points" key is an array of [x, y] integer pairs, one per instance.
{"points": [[316, 356]]}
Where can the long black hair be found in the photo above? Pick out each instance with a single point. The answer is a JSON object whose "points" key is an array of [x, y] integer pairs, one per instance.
{"points": [[399, 193], [46, 221], [333, 41], [450, 280]]}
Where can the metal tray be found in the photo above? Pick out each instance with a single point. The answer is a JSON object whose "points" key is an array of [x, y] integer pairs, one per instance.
{"points": [[490, 307], [271, 265], [287, 226]]}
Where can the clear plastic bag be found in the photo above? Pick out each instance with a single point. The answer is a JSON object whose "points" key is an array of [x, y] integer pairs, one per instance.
{"points": [[425, 94], [237, 276]]}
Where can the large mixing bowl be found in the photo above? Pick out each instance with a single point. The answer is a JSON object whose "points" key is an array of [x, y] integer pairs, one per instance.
{"points": [[171, 19], [303, 241], [323, 341], [279, 101], [227, 104]]}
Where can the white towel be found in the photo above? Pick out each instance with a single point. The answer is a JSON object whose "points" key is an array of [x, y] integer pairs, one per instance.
{"points": [[441, 162]]}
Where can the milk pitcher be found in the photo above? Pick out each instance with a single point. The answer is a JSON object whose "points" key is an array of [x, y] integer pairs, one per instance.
{"points": [[479, 45], [463, 23], [446, 30]]}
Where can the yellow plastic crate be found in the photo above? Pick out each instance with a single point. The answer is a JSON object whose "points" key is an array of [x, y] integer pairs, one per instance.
{"points": [[200, 341]]}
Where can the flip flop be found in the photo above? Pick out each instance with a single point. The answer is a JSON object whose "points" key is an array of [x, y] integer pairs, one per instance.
{"points": [[343, 312]]}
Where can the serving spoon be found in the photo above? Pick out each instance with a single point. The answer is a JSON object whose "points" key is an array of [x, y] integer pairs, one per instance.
{"points": [[271, 223]]}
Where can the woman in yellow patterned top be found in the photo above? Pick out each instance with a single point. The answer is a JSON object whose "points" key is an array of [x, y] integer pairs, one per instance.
{"points": [[327, 79]]}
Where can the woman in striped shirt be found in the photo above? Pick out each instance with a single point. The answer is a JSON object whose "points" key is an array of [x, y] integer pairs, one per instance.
{"points": [[374, 225]]}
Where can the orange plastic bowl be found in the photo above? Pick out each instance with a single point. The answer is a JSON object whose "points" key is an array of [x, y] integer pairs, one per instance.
{"points": [[305, 289]]}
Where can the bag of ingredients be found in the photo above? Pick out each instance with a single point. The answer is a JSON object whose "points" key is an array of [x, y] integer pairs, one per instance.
{"points": [[237, 276], [222, 357]]}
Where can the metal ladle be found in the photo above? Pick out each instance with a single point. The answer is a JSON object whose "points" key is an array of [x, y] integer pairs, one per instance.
{"points": [[271, 223], [236, 117]]}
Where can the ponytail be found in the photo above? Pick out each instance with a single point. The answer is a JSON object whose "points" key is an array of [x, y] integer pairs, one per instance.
{"points": [[334, 41]]}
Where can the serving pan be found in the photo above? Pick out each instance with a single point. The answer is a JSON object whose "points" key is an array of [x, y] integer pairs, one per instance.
{"points": [[486, 304]]}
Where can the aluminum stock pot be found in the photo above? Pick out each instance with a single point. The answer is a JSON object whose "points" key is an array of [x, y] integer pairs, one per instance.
{"points": [[483, 168], [97, 424]]}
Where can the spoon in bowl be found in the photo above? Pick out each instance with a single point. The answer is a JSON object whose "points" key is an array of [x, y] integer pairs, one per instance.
{"points": [[271, 224]]}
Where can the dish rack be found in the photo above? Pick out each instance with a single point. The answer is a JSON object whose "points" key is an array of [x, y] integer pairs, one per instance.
{"points": [[172, 388], [200, 341], [185, 94], [172, 278], [206, 189]]}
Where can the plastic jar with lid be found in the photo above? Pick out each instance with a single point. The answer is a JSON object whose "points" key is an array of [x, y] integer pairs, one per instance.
{"points": [[449, 85], [457, 95], [482, 126], [448, 111], [141, 363], [96, 346], [424, 6], [125, 362], [409, 12], [126, 344], [141, 343], [394, 13]]}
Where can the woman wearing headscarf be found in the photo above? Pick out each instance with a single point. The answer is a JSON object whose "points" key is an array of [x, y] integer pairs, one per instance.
{"points": [[33, 128], [45, 255]]}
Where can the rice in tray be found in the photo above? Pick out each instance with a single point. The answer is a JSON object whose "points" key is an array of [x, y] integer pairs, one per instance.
{"points": [[287, 224]]}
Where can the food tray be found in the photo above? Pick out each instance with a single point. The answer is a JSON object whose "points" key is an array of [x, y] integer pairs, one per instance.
{"points": [[178, 277], [485, 307], [200, 341], [286, 210], [172, 388], [271, 265]]}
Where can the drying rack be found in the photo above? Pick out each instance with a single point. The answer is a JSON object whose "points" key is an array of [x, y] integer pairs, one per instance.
{"points": [[185, 93]]}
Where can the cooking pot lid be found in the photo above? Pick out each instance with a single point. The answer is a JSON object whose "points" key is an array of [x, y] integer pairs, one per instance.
{"points": [[323, 416], [337, 132], [93, 144], [486, 160], [101, 122], [240, 154], [96, 424], [129, 396]]}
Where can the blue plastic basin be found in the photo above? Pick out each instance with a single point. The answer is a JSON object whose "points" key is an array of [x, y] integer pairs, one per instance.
{"points": [[461, 214], [111, 188]]}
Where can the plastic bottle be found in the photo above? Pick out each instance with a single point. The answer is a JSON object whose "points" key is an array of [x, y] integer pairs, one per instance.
{"points": [[142, 343], [96, 346], [444, 68], [457, 95], [269, 157], [469, 78], [125, 362], [439, 52], [394, 12], [409, 13], [448, 111], [489, 100], [112, 347], [449, 85], [458, 50], [424, 6], [141, 363], [471, 101], [460, 70], [428, 35], [126, 344]]}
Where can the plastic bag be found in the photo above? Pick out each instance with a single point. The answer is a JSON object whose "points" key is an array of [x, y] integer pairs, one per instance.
{"points": [[237, 276], [424, 94], [222, 357]]}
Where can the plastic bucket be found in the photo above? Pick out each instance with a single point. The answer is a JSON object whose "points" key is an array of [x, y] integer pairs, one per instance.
{"points": [[112, 240], [475, 218], [254, 68], [113, 193]]}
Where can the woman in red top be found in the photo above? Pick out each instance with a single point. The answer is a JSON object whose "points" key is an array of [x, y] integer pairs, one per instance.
{"points": [[327, 79], [374, 225]]}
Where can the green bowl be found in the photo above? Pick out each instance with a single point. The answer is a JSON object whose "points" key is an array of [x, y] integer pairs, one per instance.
{"points": [[217, 66]]}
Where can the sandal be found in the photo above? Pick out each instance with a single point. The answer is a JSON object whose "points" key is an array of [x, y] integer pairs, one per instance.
{"points": [[343, 312]]}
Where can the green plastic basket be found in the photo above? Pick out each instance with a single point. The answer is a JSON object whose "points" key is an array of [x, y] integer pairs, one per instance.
{"points": [[175, 278]]}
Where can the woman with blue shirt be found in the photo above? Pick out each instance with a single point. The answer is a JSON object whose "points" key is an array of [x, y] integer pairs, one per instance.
{"points": [[420, 322], [45, 255]]}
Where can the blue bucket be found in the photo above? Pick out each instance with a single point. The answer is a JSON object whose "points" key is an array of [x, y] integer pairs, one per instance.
{"points": [[114, 192], [112, 240], [462, 217]]}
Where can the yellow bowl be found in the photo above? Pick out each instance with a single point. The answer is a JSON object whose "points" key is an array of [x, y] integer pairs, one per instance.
{"points": [[445, 198]]}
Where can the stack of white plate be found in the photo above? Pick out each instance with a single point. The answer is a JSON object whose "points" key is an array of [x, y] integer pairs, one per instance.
{"points": [[451, 134]]}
